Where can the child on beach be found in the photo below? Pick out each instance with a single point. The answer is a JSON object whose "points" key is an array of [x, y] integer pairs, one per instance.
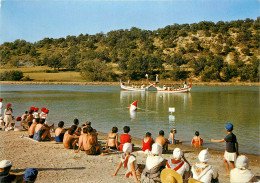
{"points": [[147, 142], [112, 139], [125, 137], [172, 138], [128, 161], [197, 141], [231, 151]]}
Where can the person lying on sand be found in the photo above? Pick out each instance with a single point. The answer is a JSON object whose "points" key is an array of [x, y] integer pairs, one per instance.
{"points": [[42, 132], [32, 127], [162, 141], [70, 139], [128, 161], [112, 139]]}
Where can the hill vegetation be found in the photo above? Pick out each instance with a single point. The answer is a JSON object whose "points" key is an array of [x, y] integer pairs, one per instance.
{"points": [[204, 51]]}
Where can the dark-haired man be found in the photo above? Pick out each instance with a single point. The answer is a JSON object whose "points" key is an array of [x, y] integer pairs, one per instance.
{"points": [[162, 141]]}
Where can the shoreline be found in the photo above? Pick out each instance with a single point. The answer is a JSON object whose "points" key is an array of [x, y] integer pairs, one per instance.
{"points": [[56, 164], [117, 83]]}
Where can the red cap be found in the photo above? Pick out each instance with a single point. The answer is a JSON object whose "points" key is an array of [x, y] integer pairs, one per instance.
{"points": [[18, 118], [32, 108], [9, 104], [46, 111], [43, 109], [36, 108]]}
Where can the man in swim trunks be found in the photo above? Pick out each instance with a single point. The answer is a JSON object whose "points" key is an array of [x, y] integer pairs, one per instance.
{"points": [[32, 127], [83, 140], [162, 141], [70, 140]]}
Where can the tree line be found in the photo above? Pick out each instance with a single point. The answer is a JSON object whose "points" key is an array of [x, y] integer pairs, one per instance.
{"points": [[222, 51]]}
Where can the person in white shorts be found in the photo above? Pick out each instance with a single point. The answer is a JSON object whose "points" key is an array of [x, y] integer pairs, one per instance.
{"points": [[231, 151]]}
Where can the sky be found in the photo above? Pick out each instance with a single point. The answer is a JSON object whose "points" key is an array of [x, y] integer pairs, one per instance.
{"points": [[33, 20]]}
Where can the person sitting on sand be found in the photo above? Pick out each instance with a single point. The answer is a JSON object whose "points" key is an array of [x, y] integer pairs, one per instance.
{"points": [[112, 139], [202, 171], [70, 139], [172, 139], [179, 165], [2, 123], [59, 132], [125, 137], [29, 119], [78, 130], [36, 114], [155, 163], [30, 175], [24, 116], [162, 141], [32, 128], [231, 148], [197, 141], [128, 161], [17, 125], [147, 142], [42, 114], [42, 132], [241, 172], [6, 175]]}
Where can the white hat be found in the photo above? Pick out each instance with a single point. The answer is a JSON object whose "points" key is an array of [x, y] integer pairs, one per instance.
{"points": [[242, 162], [127, 147], [5, 163], [156, 149], [204, 155], [177, 153]]}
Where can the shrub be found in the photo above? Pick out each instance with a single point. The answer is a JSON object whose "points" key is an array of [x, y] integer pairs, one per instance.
{"points": [[15, 75]]}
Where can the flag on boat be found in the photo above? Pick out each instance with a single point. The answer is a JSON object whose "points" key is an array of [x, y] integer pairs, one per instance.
{"points": [[133, 106]]}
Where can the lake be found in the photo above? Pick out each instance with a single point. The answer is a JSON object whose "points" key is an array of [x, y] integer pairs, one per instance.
{"points": [[205, 109]]}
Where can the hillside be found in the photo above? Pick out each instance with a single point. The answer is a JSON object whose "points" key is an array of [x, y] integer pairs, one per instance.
{"points": [[204, 51]]}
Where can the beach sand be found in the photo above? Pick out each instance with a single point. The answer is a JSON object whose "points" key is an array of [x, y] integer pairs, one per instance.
{"points": [[56, 164]]}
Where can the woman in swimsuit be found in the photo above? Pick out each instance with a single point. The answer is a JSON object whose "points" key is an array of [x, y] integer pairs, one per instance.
{"points": [[59, 132], [147, 142], [112, 139], [41, 132], [197, 141], [125, 137]]}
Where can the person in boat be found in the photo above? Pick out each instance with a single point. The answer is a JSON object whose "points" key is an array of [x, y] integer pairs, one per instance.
{"points": [[182, 167], [241, 173], [32, 128], [197, 141], [125, 137], [162, 141], [59, 132], [112, 139], [154, 164], [70, 139], [185, 84], [202, 171], [128, 161], [147, 142], [172, 139], [42, 132], [231, 151]]}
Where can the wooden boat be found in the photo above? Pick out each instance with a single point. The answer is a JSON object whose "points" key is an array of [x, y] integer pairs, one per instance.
{"points": [[186, 88]]}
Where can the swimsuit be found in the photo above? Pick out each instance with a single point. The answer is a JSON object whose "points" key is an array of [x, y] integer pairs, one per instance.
{"points": [[94, 150], [112, 137], [59, 138], [112, 147], [147, 145], [124, 138], [38, 135], [31, 136]]}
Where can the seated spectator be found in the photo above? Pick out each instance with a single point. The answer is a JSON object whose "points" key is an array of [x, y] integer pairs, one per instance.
{"points": [[147, 142], [70, 139], [29, 118], [6, 175], [202, 171], [112, 139], [59, 132], [125, 137], [241, 172], [168, 175], [154, 165], [78, 130], [172, 139], [128, 161], [178, 165], [30, 175], [162, 141], [197, 141], [17, 124], [2, 124], [42, 132], [24, 116], [32, 128]]}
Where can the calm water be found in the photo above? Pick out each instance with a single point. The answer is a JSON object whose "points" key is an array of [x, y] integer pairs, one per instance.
{"points": [[206, 109]]}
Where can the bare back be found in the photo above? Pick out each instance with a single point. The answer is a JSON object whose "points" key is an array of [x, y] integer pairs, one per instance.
{"points": [[32, 128], [91, 140], [68, 140], [112, 139], [161, 140]]}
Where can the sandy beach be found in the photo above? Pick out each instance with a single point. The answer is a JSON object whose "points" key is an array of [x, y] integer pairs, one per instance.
{"points": [[56, 164]]}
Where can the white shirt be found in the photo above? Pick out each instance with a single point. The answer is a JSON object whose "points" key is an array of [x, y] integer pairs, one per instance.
{"points": [[130, 160], [36, 115], [152, 161], [206, 175], [241, 176], [1, 106]]}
